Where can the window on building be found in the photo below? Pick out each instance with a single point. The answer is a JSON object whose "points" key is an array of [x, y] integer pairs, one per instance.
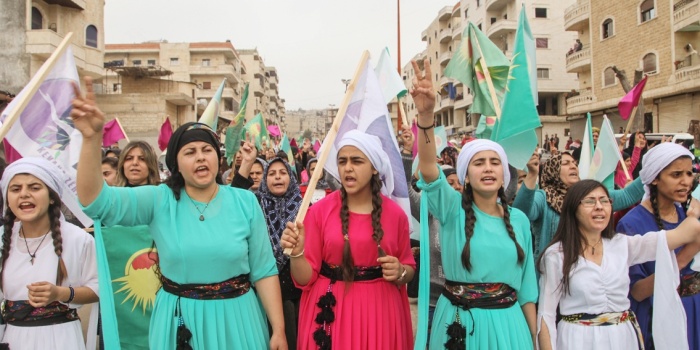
{"points": [[151, 62], [647, 10], [649, 63], [174, 61], [607, 29], [608, 77], [206, 62], [493, 20], [478, 3], [466, 13], [206, 85], [555, 106], [136, 63], [542, 73], [479, 26], [37, 19], [542, 43], [91, 36], [540, 12]]}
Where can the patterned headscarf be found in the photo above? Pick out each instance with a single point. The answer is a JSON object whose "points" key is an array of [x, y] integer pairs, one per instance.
{"points": [[279, 210], [552, 184]]}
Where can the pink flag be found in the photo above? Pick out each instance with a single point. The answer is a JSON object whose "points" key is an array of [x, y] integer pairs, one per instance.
{"points": [[627, 103], [274, 130], [166, 130], [414, 130], [293, 143], [112, 133], [317, 146], [11, 153]]}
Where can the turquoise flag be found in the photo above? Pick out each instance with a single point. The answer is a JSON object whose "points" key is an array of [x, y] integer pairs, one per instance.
{"points": [[257, 129], [467, 65], [234, 132], [584, 163], [389, 79], [211, 114], [606, 156], [287, 148], [515, 130]]}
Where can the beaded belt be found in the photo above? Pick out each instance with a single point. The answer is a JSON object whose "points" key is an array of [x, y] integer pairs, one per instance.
{"points": [[690, 284], [326, 315], [606, 319], [22, 314], [231, 288], [467, 296]]}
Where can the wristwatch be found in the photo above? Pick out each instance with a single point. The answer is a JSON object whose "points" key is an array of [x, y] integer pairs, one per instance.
{"points": [[403, 274]]}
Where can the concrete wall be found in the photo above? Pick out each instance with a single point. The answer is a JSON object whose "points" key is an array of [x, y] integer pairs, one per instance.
{"points": [[14, 62]]}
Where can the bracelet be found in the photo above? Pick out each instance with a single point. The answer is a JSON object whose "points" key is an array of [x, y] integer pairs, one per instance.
{"points": [[72, 295], [403, 274], [298, 255], [425, 130]]}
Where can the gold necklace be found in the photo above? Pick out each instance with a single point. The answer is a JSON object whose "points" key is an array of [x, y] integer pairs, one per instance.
{"points": [[593, 246], [201, 212]]}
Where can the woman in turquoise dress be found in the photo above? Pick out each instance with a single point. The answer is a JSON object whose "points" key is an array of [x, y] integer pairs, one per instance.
{"points": [[488, 301], [212, 241]]}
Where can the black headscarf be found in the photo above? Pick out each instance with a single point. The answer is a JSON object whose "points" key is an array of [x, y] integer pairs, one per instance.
{"points": [[630, 149], [189, 132]]}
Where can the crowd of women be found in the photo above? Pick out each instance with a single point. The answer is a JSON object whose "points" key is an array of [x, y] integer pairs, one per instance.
{"points": [[519, 261]]}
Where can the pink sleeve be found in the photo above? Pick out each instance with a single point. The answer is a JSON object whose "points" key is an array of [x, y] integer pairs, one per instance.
{"points": [[313, 246], [634, 158], [404, 241]]}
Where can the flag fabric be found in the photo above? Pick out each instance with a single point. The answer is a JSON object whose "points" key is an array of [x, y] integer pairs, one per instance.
{"points": [[390, 81], [606, 156], [112, 132], [317, 146], [584, 163], [234, 132], [274, 130], [11, 153], [166, 131], [211, 113], [286, 147], [440, 139], [467, 65], [132, 264], [293, 143], [367, 112], [631, 99], [256, 128], [44, 128], [515, 129]]}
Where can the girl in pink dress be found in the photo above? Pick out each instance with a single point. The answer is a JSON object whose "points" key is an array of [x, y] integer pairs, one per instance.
{"points": [[352, 258]]}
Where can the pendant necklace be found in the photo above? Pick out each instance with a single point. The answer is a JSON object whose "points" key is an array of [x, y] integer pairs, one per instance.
{"points": [[31, 256], [201, 212], [593, 246]]}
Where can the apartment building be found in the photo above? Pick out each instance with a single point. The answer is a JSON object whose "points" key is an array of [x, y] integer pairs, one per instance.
{"points": [[33, 29], [263, 95], [498, 19], [656, 37]]}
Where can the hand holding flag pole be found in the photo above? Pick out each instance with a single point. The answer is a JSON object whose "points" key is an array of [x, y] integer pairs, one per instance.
{"points": [[329, 140]]}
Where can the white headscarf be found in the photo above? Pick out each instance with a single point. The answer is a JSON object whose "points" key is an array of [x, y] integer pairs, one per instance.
{"points": [[657, 159], [45, 171], [472, 148], [371, 146]]}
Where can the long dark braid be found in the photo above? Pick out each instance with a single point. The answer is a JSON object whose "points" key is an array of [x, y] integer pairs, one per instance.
{"points": [[509, 227], [348, 265], [9, 220], [377, 231], [55, 224], [469, 222], [653, 197]]}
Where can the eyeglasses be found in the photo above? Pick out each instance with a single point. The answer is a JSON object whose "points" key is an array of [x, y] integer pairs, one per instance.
{"points": [[590, 202]]}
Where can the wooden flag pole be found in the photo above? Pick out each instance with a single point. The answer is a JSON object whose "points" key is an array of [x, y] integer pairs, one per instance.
{"points": [[33, 85], [122, 129], [629, 122], [328, 141], [401, 112]]}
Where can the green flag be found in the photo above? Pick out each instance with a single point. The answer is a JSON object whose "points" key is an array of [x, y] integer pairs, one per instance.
{"points": [[467, 65], [234, 132], [257, 129], [515, 129], [132, 266], [287, 148]]}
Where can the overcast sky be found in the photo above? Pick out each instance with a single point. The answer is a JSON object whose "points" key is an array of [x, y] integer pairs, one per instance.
{"points": [[312, 43]]}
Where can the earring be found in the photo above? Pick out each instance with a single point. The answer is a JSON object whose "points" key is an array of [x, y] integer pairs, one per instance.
{"points": [[50, 202]]}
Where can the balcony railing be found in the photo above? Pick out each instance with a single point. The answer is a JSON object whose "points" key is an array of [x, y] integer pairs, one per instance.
{"points": [[690, 73], [576, 13], [578, 59], [685, 13], [584, 97]]}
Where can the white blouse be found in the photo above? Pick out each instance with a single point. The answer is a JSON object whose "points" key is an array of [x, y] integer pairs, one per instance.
{"points": [[594, 289]]}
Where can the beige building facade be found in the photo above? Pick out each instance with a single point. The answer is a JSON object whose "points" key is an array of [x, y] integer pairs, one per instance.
{"points": [[498, 19], [657, 37]]}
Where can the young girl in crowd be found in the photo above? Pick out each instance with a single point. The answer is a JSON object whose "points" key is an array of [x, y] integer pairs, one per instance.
{"points": [[350, 255], [109, 170], [584, 273], [667, 174], [490, 289], [212, 241], [48, 265], [138, 165]]}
